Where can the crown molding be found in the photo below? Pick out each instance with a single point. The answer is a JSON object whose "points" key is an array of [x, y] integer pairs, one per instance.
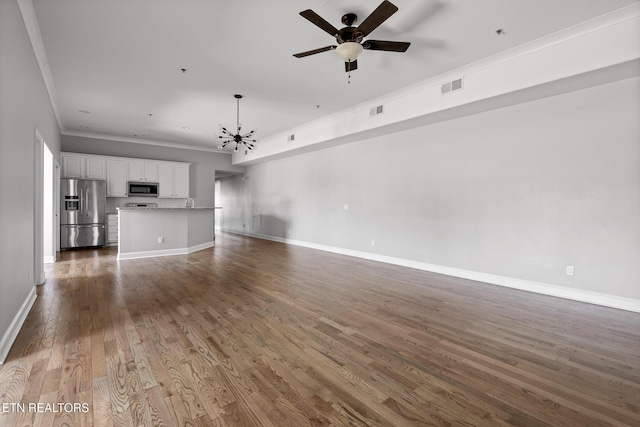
{"points": [[144, 142], [33, 30]]}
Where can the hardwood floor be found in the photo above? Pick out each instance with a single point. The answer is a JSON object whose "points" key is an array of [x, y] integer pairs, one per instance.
{"points": [[258, 333]]}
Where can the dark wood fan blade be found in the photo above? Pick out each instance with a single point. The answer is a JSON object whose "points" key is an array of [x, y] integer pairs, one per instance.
{"points": [[386, 45], [316, 19], [313, 52], [350, 66], [377, 17]]}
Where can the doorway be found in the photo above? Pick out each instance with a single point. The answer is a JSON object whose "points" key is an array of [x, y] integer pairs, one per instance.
{"points": [[45, 208], [51, 170]]}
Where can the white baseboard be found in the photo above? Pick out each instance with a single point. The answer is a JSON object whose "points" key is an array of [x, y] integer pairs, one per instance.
{"points": [[201, 247], [597, 298], [14, 328], [164, 252]]}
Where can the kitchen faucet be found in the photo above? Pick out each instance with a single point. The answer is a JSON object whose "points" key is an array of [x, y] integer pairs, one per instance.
{"points": [[189, 203]]}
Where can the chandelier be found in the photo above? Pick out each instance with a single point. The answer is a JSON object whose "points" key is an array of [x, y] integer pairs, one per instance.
{"points": [[238, 139]]}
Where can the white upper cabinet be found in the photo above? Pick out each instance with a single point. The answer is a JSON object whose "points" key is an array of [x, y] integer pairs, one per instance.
{"points": [[72, 166], [116, 178], [95, 168], [81, 166], [143, 170], [173, 179], [165, 180], [181, 180]]}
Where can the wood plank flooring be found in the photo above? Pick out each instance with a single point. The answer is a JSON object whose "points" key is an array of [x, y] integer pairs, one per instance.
{"points": [[258, 333]]}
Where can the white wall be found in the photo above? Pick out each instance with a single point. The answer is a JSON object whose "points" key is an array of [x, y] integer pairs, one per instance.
{"points": [[24, 106], [518, 192]]}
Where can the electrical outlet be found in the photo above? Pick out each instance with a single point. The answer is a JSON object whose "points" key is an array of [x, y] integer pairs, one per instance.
{"points": [[289, 232], [373, 243], [569, 270], [346, 207], [160, 239]]}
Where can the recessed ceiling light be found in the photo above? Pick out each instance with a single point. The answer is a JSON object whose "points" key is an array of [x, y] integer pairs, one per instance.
{"points": [[84, 111], [84, 127], [185, 128]]}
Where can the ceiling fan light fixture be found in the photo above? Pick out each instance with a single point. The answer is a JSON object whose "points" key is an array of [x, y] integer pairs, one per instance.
{"points": [[349, 51]]}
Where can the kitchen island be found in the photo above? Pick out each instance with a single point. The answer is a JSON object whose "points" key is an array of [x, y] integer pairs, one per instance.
{"points": [[145, 232]]}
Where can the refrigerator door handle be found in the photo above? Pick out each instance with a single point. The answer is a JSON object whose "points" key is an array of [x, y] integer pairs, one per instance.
{"points": [[86, 201], [81, 192]]}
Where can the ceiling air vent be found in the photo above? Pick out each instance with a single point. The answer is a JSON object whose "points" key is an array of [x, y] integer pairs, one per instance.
{"points": [[376, 110], [451, 86], [291, 137]]}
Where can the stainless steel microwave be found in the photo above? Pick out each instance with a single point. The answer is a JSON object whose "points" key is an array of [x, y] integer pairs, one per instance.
{"points": [[143, 189]]}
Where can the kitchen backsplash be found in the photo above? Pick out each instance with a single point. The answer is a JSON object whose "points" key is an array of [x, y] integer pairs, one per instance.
{"points": [[117, 202]]}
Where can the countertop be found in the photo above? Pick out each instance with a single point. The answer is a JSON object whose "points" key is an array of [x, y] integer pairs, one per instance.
{"points": [[146, 208]]}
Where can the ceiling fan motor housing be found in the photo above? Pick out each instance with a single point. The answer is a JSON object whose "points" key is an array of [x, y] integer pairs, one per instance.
{"points": [[349, 34], [349, 19]]}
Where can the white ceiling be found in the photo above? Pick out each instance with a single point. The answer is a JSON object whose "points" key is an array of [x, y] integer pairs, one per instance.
{"points": [[121, 60]]}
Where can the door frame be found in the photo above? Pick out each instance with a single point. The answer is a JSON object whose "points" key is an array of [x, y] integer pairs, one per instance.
{"points": [[38, 210]]}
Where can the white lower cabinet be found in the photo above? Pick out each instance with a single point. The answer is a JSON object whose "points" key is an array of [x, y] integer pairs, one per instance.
{"points": [[112, 229]]}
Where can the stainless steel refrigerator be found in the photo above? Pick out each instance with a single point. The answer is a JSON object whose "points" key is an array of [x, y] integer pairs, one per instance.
{"points": [[82, 214]]}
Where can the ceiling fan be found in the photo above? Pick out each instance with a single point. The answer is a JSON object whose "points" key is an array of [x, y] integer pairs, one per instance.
{"points": [[350, 38]]}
